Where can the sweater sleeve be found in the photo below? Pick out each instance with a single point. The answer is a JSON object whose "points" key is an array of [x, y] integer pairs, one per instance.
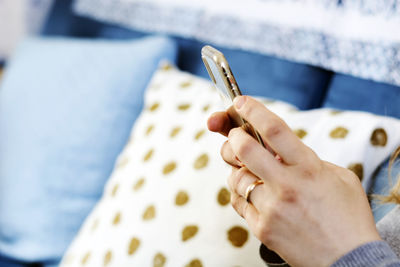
{"points": [[377, 253]]}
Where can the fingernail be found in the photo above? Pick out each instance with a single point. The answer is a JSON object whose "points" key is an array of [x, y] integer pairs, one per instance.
{"points": [[239, 101]]}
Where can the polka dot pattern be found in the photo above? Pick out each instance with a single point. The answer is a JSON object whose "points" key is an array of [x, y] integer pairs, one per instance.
{"points": [[379, 137], [339, 133], [358, 169], [181, 198], [238, 236], [189, 232], [159, 260], [149, 213], [139, 184], [201, 162], [224, 197], [107, 258], [167, 198], [133, 246]]}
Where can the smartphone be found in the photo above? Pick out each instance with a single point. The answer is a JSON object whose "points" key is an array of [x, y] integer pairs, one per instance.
{"points": [[221, 75]]}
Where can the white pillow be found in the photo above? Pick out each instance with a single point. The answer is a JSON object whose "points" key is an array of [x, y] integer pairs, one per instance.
{"points": [[166, 203]]}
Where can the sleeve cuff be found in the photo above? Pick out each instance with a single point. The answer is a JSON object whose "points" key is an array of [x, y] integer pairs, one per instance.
{"points": [[377, 253]]}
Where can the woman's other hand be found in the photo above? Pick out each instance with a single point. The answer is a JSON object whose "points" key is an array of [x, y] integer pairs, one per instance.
{"points": [[309, 211]]}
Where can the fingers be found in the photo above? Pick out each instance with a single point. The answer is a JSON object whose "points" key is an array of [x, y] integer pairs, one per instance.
{"points": [[245, 209], [273, 130], [228, 156], [240, 180], [219, 122], [255, 157]]}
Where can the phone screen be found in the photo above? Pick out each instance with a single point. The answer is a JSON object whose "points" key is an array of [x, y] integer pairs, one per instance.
{"points": [[216, 76]]}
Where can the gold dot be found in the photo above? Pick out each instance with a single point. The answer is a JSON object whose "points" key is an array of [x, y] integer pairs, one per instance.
{"points": [[339, 132], [238, 236], [206, 108], [175, 131], [95, 224], [148, 155], [335, 112], [199, 134], [149, 129], [114, 190], [85, 258], [201, 162], [189, 232], [194, 263], [184, 107], [379, 137], [358, 169], [139, 184], [154, 106], [224, 196], [107, 258], [168, 168], [149, 213], [267, 101], [181, 198], [117, 218], [166, 67], [122, 162], [159, 260], [186, 84], [133, 246], [300, 133]]}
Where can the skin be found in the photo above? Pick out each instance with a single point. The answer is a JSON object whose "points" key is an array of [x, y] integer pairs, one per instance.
{"points": [[311, 212]]}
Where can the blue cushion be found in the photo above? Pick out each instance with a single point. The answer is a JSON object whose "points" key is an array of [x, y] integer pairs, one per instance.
{"points": [[66, 110], [350, 93]]}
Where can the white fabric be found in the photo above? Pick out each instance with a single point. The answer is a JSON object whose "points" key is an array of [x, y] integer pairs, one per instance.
{"points": [[356, 37], [19, 18], [179, 99]]}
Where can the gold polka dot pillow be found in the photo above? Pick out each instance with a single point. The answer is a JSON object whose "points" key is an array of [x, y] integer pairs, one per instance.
{"points": [[166, 203]]}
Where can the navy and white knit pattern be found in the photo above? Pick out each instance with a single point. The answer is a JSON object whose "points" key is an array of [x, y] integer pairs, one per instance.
{"points": [[372, 54]]}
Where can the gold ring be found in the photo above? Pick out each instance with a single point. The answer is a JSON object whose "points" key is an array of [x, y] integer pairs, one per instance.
{"points": [[250, 188]]}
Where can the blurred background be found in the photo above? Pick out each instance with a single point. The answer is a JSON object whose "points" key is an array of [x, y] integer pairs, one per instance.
{"points": [[63, 122]]}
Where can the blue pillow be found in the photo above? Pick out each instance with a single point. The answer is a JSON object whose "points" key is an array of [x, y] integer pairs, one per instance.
{"points": [[66, 110]]}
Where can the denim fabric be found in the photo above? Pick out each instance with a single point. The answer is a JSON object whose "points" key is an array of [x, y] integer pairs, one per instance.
{"points": [[350, 93], [380, 187], [66, 111]]}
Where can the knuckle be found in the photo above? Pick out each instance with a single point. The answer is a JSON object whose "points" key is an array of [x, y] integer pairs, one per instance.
{"points": [[287, 194], [273, 128], [238, 178], [244, 149]]}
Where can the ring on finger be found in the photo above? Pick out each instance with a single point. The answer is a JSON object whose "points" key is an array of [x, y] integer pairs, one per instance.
{"points": [[250, 189]]}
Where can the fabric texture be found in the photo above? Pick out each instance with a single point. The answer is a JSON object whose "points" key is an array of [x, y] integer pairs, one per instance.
{"points": [[371, 254], [389, 229], [66, 109], [320, 33], [167, 201]]}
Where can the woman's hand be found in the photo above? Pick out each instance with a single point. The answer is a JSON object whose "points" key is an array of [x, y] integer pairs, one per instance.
{"points": [[309, 211]]}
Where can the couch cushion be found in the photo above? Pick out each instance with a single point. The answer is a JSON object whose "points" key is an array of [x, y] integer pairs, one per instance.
{"points": [[167, 202], [66, 110]]}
